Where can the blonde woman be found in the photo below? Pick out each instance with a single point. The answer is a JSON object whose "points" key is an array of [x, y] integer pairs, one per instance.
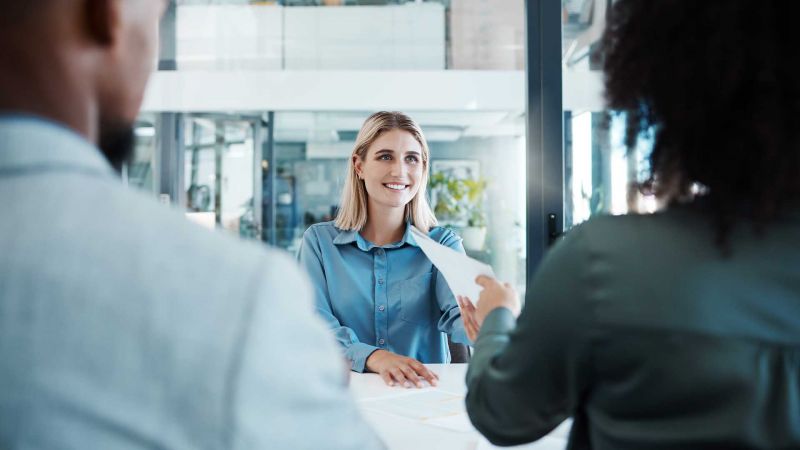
{"points": [[387, 305]]}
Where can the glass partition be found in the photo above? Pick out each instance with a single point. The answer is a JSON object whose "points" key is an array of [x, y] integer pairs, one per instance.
{"points": [[221, 172], [456, 66], [477, 184], [600, 175], [139, 172]]}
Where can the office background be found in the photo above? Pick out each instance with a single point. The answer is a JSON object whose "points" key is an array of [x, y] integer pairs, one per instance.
{"points": [[252, 115]]}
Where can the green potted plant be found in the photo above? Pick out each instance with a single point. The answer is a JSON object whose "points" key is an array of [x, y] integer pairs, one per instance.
{"points": [[474, 234], [459, 203]]}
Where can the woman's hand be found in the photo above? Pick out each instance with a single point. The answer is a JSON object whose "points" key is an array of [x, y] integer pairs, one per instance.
{"points": [[400, 370], [468, 317], [494, 295]]}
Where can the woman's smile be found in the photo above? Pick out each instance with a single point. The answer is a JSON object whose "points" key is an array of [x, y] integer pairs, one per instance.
{"points": [[396, 187]]}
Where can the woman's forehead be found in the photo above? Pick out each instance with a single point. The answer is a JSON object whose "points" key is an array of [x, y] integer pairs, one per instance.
{"points": [[396, 140]]}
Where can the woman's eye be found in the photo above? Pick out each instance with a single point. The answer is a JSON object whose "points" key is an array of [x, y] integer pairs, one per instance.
{"points": [[412, 159], [384, 157]]}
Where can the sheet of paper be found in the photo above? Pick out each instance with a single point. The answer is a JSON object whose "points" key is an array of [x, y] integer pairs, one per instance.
{"points": [[458, 269], [459, 422], [425, 405]]}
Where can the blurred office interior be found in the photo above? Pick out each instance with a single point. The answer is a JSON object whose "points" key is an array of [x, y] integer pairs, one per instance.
{"points": [[252, 115]]}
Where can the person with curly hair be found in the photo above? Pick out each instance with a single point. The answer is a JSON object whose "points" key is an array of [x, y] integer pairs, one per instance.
{"points": [[679, 329]]}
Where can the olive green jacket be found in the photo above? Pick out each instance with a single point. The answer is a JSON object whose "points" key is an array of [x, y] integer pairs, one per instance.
{"points": [[641, 330]]}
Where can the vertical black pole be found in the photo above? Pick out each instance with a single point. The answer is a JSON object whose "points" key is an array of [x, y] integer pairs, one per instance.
{"points": [[167, 51], [269, 165], [545, 172], [169, 126], [170, 157], [219, 149], [259, 138]]}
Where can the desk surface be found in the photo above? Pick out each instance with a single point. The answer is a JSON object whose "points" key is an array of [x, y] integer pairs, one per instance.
{"points": [[403, 417]]}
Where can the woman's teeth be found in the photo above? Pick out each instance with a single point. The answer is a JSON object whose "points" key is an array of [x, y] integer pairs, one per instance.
{"points": [[396, 187]]}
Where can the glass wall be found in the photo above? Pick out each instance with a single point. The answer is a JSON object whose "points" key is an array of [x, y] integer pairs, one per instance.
{"points": [[269, 97], [477, 177], [600, 174], [139, 172], [221, 172]]}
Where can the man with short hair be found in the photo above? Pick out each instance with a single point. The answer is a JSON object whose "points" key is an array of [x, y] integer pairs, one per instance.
{"points": [[121, 324]]}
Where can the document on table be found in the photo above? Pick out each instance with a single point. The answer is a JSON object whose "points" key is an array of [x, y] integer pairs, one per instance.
{"points": [[429, 406], [458, 269]]}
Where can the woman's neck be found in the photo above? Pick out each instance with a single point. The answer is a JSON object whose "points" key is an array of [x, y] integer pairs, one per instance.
{"points": [[384, 225]]}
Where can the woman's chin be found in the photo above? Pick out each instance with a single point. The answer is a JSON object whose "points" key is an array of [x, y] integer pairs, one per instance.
{"points": [[394, 202]]}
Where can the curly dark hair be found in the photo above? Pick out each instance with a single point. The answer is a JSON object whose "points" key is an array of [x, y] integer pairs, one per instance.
{"points": [[716, 84]]}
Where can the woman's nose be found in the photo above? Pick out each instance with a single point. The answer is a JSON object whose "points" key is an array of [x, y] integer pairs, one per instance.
{"points": [[398, 169]]}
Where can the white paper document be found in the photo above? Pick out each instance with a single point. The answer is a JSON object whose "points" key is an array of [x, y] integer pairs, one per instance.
{"points": [[429, 406], [458, 269]]}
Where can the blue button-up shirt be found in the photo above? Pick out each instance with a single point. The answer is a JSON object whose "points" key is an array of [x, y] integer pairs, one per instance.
{"points": [[382, 297]]}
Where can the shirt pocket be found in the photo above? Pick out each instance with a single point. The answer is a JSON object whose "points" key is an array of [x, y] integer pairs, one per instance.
{"points": [[416, 299]]}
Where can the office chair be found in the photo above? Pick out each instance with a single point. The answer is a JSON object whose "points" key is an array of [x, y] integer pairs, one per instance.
{"points": [[459, 353]]}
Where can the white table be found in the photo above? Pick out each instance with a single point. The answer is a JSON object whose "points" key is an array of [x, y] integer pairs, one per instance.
{"points": [[376, 401]]}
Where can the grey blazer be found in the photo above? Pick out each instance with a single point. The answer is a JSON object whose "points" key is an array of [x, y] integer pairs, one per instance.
{"points": [[124, 326]]}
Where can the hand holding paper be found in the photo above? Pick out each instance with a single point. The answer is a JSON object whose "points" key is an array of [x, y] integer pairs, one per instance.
{"points": [[459, 270], [496, 295]]}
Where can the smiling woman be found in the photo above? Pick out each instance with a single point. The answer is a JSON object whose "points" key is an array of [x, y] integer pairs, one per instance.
{"points": [[390, 152], [388, 306]]}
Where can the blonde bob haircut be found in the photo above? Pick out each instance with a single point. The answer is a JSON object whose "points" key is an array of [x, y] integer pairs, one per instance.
{"points": [[352, 213]]}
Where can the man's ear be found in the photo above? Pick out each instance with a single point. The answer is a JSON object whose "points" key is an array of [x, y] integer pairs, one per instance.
{"points": [[103, 20]]}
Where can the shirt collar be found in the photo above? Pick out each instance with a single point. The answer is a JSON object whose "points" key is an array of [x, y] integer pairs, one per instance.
{"points": [[29, 142], [350, 236]]}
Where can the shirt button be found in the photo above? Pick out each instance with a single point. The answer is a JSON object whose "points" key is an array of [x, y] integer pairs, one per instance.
{"points": [[381, 308], [380, 251], [380, 280], [381, 342]]}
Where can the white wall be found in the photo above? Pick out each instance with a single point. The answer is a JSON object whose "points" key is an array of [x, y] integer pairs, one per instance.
{"points": [[401, 37], [229, 37], [357, 58], [271, 37]]}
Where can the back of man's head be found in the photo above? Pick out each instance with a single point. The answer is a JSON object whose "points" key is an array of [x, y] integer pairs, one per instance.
{"points": [[82, 63]]}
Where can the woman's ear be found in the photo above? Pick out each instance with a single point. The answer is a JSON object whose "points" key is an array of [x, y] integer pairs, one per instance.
{"points": [[357, 166]]}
